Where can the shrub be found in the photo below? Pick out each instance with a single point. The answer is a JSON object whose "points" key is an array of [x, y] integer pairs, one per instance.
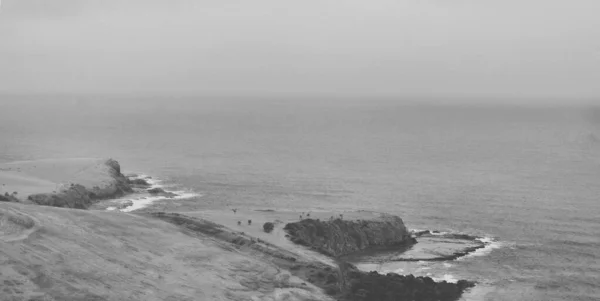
{"points": [[268, 227]]}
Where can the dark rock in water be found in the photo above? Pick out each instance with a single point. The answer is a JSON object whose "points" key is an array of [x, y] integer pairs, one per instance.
{"points": [[155, 191], [161, 192], [342, 237], [268, 227], [393, 287], [421, 233], [138, 182]]}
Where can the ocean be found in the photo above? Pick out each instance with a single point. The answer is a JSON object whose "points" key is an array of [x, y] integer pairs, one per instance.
{"points": [[527, 178]]}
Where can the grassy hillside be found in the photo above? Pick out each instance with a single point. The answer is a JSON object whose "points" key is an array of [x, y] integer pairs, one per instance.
{"points": [[64, 254]]}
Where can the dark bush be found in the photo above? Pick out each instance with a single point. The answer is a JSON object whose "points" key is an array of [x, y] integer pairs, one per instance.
{"points": [[268, 227]]}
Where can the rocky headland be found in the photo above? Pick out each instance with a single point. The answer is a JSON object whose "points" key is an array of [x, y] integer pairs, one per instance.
{"points": [[111, 183], [337, 236]]}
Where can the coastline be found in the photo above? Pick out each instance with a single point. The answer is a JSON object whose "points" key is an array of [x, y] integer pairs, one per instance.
{"points": [[330, 272]]}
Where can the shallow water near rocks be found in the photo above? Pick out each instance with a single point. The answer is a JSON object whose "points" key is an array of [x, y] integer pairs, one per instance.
{"points": [[526, 177]]}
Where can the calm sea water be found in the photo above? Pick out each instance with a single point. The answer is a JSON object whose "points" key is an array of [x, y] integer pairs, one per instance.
{"points": [[529, 177]]}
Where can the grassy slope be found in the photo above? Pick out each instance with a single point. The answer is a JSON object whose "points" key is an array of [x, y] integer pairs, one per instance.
{"points": [[64, 254]]}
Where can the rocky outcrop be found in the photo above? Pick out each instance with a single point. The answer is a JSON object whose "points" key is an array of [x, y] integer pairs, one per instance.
{"points": [[340, 237], [161, 192], [139, 183], [81, 197], [119, 185], [362, 286]]}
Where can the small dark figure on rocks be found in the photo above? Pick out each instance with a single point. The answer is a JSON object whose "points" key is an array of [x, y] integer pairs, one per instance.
{"points": [[249, 222], [234, 211], [239, 223], [308, 214], [300, 217]]}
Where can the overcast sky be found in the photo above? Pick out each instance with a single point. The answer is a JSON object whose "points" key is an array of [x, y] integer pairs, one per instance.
{"points": [[512, 48]]}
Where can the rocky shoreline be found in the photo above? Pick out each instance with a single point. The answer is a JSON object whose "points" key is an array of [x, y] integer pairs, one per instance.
{"points": [[336, 238], [106, 182], [340, 238]]}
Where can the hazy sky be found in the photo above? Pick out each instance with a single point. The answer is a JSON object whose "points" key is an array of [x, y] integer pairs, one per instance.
{"points": [[520, 48]]}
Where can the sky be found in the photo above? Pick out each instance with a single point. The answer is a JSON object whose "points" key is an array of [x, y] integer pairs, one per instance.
{"points": [[540, 50]]}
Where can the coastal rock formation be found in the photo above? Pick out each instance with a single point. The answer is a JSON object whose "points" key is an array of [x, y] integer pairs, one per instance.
{"points": [[361, 286], [139, 183], [161, 192], [112, 184], [340, 237], [436, 246]]}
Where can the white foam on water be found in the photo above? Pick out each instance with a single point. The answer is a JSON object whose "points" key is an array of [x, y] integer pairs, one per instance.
{"points": [[447, 265], [490, 245], [477, 293], [146, 200], [447, 277], [154, 183]]}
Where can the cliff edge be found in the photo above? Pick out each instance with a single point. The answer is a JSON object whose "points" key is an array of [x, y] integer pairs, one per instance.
{"points": [[339, 237]]}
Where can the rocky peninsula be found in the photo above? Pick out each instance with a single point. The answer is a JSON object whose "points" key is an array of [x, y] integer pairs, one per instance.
{"points": [[69, 183], [337, 237]]}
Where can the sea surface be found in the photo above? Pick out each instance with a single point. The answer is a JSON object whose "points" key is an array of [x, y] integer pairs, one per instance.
{"points": [[526, 178]]}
